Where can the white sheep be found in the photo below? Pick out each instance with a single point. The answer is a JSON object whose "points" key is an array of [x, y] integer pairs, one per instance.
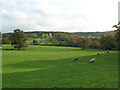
{"points": [[102, 52], [92, 60], [107, 51], [98, 53], [76, 58]]}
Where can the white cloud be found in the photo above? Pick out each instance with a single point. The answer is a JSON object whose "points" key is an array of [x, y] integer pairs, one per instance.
{"points": [[26, 5], [14, 16], [9, 4], [56, 18], [4, 12], [64, 15], [16, 20]]}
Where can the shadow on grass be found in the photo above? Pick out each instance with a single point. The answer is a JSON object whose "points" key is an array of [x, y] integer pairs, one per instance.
{"points": [[44, 63], [8, 49], [61, 73], [13, 49], [63, 62], [79, 49]]}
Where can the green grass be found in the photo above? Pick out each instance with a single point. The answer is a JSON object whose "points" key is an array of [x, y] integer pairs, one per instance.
{"points": [[39, 40], [51, 66]]}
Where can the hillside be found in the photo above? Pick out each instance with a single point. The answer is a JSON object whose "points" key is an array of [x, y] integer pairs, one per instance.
{"points": [[91, 34]]}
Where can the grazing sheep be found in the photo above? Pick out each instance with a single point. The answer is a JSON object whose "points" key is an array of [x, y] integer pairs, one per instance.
{"points": [[98, 53], [92, 60], [102, 52], [76, 58], [107, 51]]}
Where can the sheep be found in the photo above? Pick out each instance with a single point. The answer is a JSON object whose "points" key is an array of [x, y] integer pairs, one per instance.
{"points": [[76, 58], [102, 52], [98, 53], [107, 51], [92, 60]]}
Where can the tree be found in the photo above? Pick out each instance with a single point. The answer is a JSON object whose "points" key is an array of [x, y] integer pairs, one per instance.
{"points": [[33, 35], [18, 39], [54, 41], [108, 42], [72, 41], [117, 34], [83, 42], [96, 44], [5, 35], [64, 43], [89, 43], [64, 37], [0, 39], [58, 36], [5, 41], [44, 35], [50, 35]]}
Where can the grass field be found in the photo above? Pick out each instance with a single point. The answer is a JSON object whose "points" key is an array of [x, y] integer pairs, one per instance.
{"points": [[50, 67], [39, 40]]}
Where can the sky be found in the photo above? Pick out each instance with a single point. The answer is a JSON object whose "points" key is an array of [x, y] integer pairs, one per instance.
{"points": [[58, 15]]}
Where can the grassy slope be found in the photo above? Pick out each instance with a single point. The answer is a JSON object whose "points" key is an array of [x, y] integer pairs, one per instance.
{"points": [[50, 66]]}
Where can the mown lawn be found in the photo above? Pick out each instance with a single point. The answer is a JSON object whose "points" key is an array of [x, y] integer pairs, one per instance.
{"points": [[51, 66]]}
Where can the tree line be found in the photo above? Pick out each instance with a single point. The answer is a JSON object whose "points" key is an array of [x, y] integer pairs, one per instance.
{"points": [[107, 42]]}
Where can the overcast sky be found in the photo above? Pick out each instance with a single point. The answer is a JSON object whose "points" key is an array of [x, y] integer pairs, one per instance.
{"points": [[59, 15]]}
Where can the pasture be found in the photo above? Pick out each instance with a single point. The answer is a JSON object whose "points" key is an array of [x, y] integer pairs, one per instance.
{"points": [[39, 40], [53, 67]]}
